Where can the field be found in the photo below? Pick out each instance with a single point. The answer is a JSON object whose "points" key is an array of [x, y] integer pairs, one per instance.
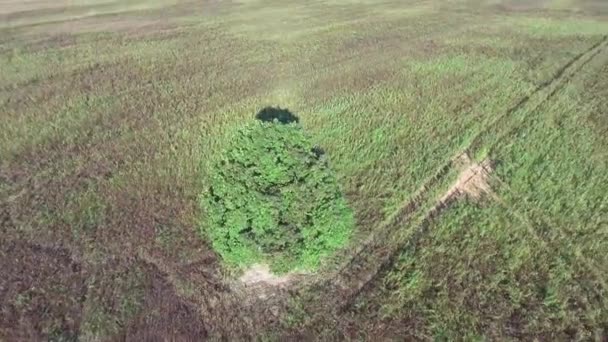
{"points": [[470, 138]]}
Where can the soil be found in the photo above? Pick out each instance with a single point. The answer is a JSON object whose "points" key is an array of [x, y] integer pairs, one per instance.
{"points": [[472, 181], [260, 274]]}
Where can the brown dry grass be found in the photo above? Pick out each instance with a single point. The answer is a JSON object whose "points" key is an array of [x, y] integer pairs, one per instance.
{"points": [[30, 271]]}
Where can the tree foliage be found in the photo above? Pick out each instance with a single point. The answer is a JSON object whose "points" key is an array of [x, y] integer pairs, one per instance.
{"points": [[272, 198]]}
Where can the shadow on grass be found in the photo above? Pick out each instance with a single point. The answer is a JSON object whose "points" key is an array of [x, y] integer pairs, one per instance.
{"points": [[284, 116]]}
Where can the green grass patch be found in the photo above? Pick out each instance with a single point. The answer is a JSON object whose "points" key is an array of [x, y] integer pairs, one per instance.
{"points": [[478, 273], [529, 263], [553, 167]]}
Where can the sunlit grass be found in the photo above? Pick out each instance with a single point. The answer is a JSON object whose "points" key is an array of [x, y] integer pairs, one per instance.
{"points": [[74, 10], [524, 255], [481, 267], [551, 28]]}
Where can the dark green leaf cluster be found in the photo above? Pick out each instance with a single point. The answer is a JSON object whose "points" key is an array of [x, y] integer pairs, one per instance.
{"points": [[272, 198]]}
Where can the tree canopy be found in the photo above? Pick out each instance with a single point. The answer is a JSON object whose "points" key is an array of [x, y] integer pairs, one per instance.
{"points": [[272, 198]]}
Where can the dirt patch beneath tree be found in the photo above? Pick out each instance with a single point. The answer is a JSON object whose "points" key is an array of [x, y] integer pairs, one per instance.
{"points": [[260, 274]]}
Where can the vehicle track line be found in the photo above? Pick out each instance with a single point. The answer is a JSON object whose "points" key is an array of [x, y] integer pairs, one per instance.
{"points": [[376, 252]]}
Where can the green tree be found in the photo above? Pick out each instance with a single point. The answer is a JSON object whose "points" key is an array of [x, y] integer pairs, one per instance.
{"points": [[273, 198]]}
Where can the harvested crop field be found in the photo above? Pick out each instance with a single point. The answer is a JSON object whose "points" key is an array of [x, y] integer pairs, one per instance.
{"points": [[469, 139]]}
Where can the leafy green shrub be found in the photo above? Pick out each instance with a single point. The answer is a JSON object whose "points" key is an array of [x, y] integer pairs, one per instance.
{"points": [[272, 198]]}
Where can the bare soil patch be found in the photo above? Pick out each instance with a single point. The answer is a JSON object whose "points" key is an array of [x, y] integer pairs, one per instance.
{"points": [[472, 181], [260, 274]]}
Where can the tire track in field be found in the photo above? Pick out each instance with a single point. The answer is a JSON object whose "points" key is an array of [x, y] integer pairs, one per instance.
{"points": [[423, 223], [365, 261], [545, 91], [377, 252], [601, 48], [541, 224], [540, 221]]}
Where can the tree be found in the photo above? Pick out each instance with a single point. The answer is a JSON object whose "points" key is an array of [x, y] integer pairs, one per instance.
{"points": [[273, 198]]}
